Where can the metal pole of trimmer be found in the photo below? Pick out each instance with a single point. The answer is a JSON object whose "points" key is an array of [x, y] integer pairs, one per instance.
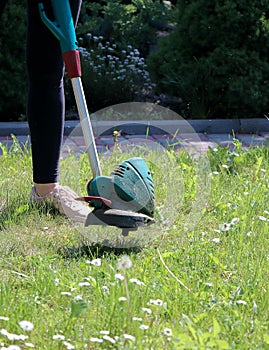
{"points": [[63, 28]]}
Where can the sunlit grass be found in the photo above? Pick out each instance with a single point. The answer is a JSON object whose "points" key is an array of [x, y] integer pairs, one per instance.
{"points": [[200, 286]]}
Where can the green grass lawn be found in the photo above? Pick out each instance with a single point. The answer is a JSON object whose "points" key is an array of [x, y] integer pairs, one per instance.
{"points": [[197, 279]]}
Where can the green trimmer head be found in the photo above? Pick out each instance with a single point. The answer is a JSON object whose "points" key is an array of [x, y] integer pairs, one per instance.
{"points": [[125, 199]]}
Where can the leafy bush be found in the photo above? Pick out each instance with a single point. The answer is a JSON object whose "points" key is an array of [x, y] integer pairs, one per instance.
{"points": [[12, 61], [121, 23], [112, 76], [125, 23], [217, 59]]}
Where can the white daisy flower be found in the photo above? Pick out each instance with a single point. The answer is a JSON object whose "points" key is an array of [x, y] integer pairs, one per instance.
{"points": [[84, 284], [143, 326], [12, 336], [95, 262], [235, 221], [122, 298], [224, 227], [69, 346], [108, 338], [17, 337], [26, 325], [137, 319], [167, 332], [146, 310], [208, 284], [105, 289], [96, 340], [58, 337], [157, 302], [136, 281], [129, 337], [119, 276], [12, 347]]}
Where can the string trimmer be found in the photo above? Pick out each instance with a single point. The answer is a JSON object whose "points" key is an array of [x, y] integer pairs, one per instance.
{"points": [[124, 199]]}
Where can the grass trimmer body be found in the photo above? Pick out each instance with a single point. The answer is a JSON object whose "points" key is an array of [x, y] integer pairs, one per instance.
{"points": [[124, 199]]}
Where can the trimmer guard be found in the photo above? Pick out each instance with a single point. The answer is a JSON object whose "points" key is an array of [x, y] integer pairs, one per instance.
{"points": [[126, 220]]}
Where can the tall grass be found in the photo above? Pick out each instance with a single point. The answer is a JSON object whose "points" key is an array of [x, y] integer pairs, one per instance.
{"points": [[202, 286]]}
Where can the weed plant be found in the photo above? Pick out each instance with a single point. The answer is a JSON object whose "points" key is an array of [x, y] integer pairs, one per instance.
{"points": [[202, 288]]}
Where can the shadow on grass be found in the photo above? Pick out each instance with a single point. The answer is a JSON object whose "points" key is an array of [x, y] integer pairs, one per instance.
{"points": [[19, 210], [96, 250], [13, 212]]}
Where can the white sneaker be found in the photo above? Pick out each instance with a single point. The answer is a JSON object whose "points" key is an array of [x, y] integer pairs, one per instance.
{"points": [[63, 199]]}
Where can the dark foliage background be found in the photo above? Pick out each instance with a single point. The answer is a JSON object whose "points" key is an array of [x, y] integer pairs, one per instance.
{"points": [[13, 85], [213, 56], [217, 59]]}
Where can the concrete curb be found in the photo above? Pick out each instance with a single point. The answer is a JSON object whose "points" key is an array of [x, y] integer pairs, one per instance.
{"points": [[217, 126]]}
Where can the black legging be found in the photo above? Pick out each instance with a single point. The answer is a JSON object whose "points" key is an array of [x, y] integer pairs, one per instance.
{"points": [[46, 103]]}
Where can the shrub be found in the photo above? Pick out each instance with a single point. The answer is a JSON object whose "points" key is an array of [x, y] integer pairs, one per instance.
{"points": [[12, 61], [217, 59], [125, 23], [112, 76], [122, 23]]}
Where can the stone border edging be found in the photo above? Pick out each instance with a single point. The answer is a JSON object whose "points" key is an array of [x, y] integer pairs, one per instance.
{"points": [[212, 126]]}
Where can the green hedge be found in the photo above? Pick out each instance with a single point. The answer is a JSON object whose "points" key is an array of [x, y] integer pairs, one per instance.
{"points": [[217, 59], [13, 77], [124, 24]]}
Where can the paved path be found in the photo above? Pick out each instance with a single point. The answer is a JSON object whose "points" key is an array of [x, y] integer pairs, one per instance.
{"points": [[198, 143], [133, 134]]}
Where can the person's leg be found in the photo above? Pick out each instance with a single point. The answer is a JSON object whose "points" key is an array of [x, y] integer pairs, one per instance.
{"points": [[45, 105]]}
